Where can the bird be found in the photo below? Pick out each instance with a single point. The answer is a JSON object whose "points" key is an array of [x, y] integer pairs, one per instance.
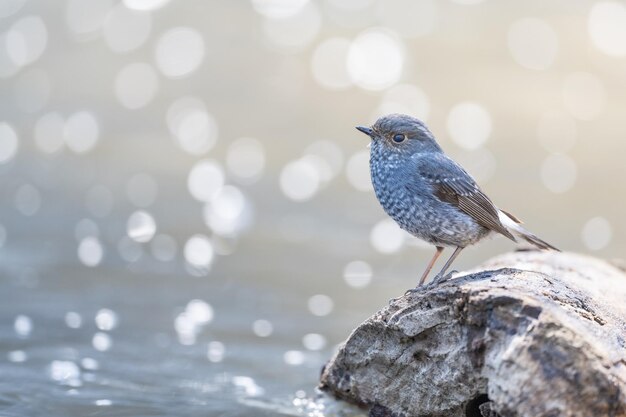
{"points": [[430, 195]]}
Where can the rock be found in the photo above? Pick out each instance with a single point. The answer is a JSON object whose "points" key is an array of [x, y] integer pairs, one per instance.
{"points": [[529, 334]]}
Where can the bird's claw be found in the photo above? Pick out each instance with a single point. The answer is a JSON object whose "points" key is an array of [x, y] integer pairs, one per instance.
{"points": [[436, 281], [393, 300], [442, 278], [412, 290], [409, 291]]}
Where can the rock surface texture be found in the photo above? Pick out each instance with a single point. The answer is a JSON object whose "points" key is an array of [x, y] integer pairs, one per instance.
{"points": [[532, 334]]}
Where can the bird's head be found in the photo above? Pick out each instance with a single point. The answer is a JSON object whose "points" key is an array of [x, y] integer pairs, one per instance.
{"points": [[399, 133]]}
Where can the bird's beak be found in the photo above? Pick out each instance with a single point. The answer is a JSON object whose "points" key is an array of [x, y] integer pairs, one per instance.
{"points": [[366, 130]]}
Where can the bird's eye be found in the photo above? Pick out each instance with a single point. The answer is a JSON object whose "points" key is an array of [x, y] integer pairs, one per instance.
{"points": [[399, 138]]}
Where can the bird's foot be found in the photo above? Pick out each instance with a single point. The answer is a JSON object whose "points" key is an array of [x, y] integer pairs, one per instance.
{"points": [[412, 290], [409, 291], [436, 281], [439, 278], [393, 300]]}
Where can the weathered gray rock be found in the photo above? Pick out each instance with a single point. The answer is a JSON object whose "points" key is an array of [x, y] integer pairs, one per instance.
{"points": [[532, 334]]}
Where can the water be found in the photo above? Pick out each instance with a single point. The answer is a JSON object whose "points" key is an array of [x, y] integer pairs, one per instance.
{"points": [[188, 226], [135, 335], [66, 365]]}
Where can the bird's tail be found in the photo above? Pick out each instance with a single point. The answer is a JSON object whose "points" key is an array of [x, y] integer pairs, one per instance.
{"points": [[513, 224]]}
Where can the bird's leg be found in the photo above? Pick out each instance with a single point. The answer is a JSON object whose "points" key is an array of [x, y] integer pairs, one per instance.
{"points": [[428, 269], [430, 265], [440, 276]]}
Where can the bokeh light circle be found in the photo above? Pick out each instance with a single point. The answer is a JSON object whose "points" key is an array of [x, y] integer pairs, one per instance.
{"points": [[559, 173], [179, 52], [357, 274], [205, 179], [101, 342], [326, 157], [299, 180], [533, 43], [198, 251], [64, 372], [136, 85], [81, 131], [387, 237], [216, 351], [246, 159], [279, 9], [73, 320], [329, 64], [141, 226], [294, 357], [199, 311], [375, 59], [228, 212], [106, 319], [142, 190], [26, 40], [597, 233], [125, 29], [145, 5], [321, 305], [23, 325], [8, 142], [262, 328], [90, 251], [314, 341], [85, 18], [607, 27], [8, 67], [296, 31], [469, 125], [194, 129]]}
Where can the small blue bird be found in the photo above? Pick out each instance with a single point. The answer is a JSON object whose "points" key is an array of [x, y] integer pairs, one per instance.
{"points": [[431, 196]]}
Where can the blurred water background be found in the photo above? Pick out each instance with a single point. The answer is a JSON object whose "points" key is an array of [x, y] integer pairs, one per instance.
{"points": [[188, 226]]}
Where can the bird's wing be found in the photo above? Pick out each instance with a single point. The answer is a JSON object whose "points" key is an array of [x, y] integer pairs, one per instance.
{"points": [[453, 185]]}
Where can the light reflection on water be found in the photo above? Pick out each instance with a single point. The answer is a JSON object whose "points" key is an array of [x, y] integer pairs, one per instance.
{"points": [[189, 226], [138, 356]]}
